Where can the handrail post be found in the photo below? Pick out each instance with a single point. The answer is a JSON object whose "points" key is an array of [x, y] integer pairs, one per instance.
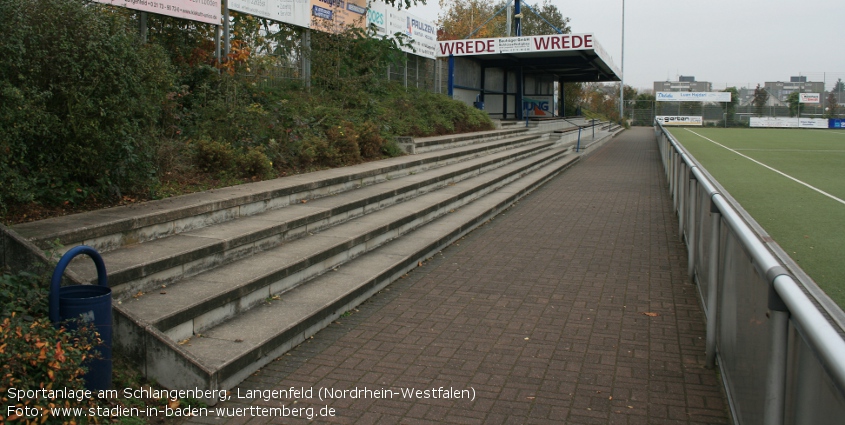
{"points": [[713, 285], [776, 375], [682, 196], [692, 194]]}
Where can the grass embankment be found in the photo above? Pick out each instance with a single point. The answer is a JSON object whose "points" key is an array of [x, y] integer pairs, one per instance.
{"points": [[806, 224]]}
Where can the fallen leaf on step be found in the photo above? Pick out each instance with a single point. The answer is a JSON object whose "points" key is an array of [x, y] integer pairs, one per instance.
{"points": [[651, 314], [304, 201], [419, 264], [173, 404], [163, 292]]}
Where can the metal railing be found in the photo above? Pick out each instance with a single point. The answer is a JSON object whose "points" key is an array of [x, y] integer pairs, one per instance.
{"points": [[780, 348]]}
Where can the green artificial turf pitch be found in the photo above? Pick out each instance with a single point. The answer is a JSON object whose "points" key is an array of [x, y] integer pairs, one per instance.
{"points": [[808, 225]]}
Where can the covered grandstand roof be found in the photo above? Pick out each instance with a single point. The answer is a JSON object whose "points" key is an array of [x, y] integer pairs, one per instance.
{"points": [[572, 57]]}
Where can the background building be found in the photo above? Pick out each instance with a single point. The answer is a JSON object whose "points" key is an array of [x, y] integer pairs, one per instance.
{"points": [[781, 90], [684, 83]]}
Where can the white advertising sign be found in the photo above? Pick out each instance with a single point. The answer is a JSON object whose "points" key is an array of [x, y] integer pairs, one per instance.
{"points": [[809, 98], [296, 12], [774, 122], [537, 43], [812, 122], [207, 11], [783, 122], [685, 96], [679, 120], [390, 21]]}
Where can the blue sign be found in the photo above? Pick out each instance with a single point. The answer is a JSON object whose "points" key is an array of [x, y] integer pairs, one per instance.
{"points": [[836, 123], [321, 12]]}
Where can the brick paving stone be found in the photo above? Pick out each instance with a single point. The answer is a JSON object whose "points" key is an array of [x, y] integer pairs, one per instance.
{"points": [[540, 313]]}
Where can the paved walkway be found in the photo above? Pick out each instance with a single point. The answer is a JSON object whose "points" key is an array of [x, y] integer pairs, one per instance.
{"points": [[572, 307]]}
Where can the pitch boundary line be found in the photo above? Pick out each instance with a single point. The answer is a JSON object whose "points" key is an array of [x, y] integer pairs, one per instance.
{"points": [[793, 150], [770, 168]]}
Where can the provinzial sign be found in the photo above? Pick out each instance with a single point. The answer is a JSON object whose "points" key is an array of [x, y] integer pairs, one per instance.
{"points": [[537, 43], [809, 97], [207, 11], [389, 21], [679, 120], [687, 96]]}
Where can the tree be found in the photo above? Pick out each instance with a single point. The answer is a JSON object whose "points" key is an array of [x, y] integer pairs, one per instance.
{"points": [[488, 19], [572, 94], [839, 87], [795, 105], [730, 112], [537, 20], [832, 110], [461, 17], [761, 96]]}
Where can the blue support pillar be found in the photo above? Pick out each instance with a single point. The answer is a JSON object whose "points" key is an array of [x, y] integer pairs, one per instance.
{"points": [[451, 88], [505, 95], [520, 105], [483, 82], [517, 13]]}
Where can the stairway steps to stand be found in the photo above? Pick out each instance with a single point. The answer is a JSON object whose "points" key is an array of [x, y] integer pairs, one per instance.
{"points": [[225, 354], [191, 306], [113, 228], [143, 267]]}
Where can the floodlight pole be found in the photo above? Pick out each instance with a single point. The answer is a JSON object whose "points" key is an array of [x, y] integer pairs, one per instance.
{"points": [[622, 69]]}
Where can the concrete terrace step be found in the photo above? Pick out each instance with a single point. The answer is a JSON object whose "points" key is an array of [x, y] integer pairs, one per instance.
{"points": [[113, 228], [143, 267], [420, 145], [223, 355], [191, 306]]}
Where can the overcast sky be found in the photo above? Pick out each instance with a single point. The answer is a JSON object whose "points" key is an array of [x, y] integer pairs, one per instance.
{"points": [[728, 43]]}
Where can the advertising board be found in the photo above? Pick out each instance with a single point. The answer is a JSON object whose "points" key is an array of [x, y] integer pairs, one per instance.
{"points": [[809, 98], [539, 106], [296, 12], [783, 122], [389, 21], [837, 123], [812, 122], [679, 120], [321, 15], [774, 122], [537, 43], [685, 96], [207, 11]]}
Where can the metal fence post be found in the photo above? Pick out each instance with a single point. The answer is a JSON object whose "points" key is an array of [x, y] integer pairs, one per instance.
{"points": [[776, 374], [682, 197], [713, 285], [691, 241]]}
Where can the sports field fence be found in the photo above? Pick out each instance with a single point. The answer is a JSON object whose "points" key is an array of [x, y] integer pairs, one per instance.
{"points": [[777, 341]]}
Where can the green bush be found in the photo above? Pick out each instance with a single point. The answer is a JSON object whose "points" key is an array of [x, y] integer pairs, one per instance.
{"points": [[255, 164], [213, 157], [80, 102], [34, 354]]}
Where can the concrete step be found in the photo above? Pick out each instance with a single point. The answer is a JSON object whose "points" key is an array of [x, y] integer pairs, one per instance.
{"points": [[418, 145], [147, 266], [223, 355], [112, 228], [195, 304]]}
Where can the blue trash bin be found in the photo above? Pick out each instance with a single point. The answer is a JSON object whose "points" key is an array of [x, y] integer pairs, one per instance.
{"points": [[93, 303]]}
